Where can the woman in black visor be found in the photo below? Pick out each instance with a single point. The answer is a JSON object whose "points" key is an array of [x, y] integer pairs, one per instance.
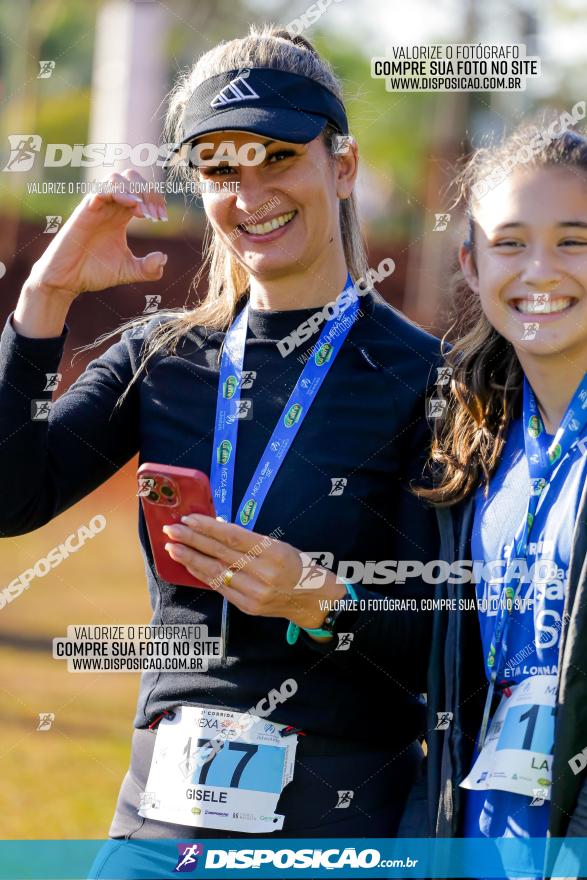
{"points": [[307, 724]]}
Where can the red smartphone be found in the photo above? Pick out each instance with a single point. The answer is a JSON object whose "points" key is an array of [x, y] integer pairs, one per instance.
{"points": [[167, 493]]}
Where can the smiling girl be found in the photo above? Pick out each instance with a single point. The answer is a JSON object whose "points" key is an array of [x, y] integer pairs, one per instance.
{"points": [[511, 469], [332, 444]]}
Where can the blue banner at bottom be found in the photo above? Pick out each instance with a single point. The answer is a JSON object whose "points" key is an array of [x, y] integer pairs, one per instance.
{"points": [[271, 858]]}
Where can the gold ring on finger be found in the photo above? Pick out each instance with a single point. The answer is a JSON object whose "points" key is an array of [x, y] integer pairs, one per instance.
{"points": [[227, 577]]}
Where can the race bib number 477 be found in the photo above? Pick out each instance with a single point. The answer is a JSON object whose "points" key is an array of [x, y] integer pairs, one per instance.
{"points": [[215, 768]]}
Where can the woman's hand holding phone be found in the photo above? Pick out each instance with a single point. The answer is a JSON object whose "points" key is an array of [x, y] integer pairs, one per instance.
{"points": [[190, 547], [266, 573]]}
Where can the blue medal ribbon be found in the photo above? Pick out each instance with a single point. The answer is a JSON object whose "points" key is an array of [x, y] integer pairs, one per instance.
{"points": [[290, 421], [544, 461]]}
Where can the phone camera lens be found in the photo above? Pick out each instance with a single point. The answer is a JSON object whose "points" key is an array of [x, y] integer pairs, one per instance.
{"points": [[167, 491]]}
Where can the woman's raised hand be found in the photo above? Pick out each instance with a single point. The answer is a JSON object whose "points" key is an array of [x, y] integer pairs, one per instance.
{"points": [[91, 252]]}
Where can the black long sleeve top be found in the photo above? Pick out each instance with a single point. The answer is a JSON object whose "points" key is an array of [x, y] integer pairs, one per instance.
{"points": [[367, 425]]}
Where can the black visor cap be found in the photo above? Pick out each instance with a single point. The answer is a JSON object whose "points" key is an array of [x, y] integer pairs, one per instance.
{"points": [[264, 101]]}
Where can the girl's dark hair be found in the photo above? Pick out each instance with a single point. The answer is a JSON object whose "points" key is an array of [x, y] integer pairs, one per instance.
{"points": [[486, 378]]}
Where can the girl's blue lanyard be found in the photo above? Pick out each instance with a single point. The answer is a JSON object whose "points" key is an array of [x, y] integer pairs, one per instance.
{"points": [[296, 409], [543, 465]]}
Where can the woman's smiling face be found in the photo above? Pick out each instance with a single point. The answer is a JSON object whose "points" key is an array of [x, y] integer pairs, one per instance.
{"points": [[529, 264], [284, 216]]}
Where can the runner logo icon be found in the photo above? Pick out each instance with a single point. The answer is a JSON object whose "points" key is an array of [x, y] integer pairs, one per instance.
{"points": [[187, 859]]}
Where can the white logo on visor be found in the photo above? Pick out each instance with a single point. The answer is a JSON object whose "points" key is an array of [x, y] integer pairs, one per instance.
{"points": [[237, 90]]}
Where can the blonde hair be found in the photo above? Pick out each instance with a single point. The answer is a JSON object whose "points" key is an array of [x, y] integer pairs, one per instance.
{"points": [[487, 377], [228, 280]]}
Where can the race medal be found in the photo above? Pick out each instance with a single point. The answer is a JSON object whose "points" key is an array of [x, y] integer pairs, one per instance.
{"points": [[215, 768], [517, 754]]}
